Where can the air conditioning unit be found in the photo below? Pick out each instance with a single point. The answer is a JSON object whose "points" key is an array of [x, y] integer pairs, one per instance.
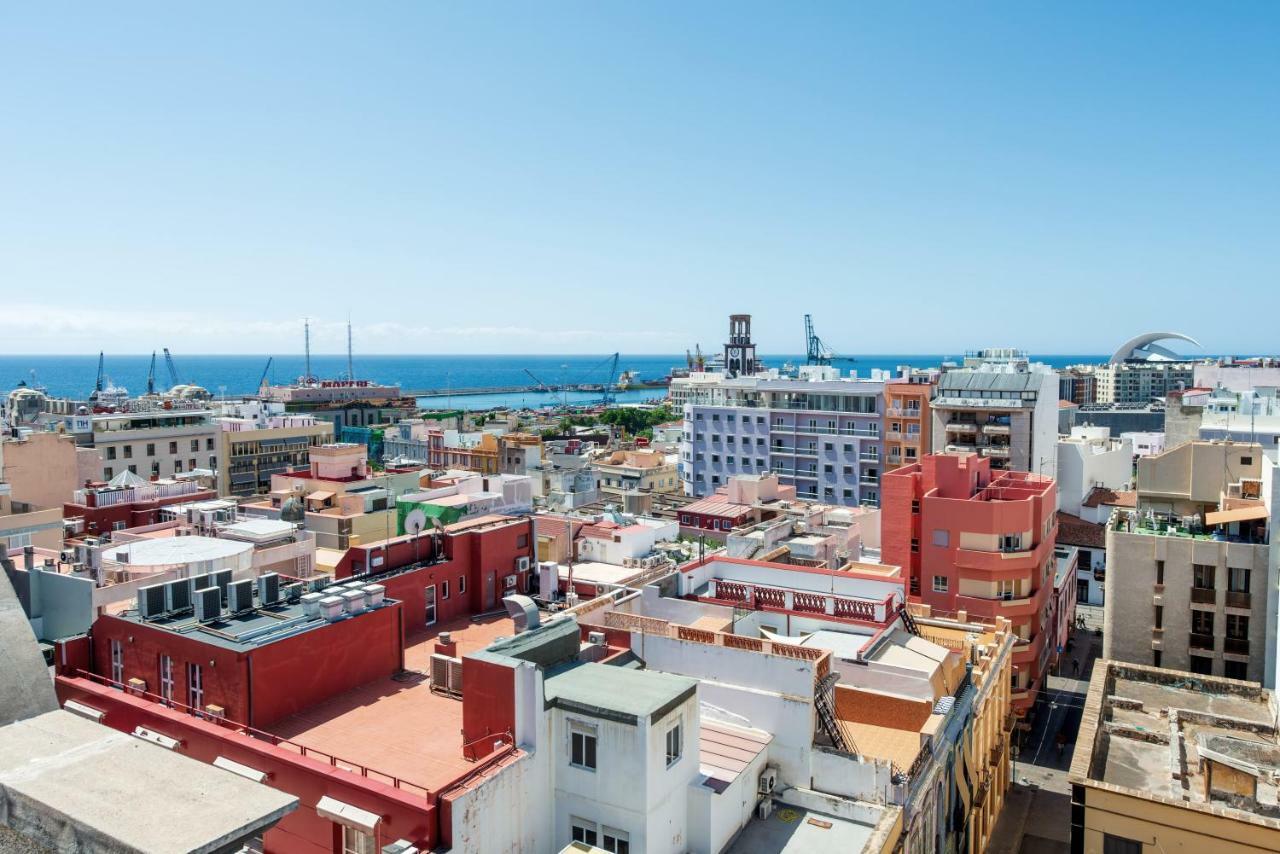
{"points": [[222, 580], [764, 809], [446, 675], [509, 582], [291, 592], [522, 564], [199, 582], [177, 596], [768, 780], [208, 604], [68, 556], [595, 637], [269, 588], [240, 596], [151, 601]]}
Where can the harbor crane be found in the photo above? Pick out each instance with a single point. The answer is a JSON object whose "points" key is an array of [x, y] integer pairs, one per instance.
{"points": [[816, 352], [100, 383], [173, 372], [151, 375], [541, 385], [263, 379]]}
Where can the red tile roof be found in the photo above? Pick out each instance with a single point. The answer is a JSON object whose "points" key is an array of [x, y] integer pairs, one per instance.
{"points": [[1100, 495], [1074, 531]]}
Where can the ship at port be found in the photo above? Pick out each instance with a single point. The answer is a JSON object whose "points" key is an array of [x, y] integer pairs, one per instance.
{"points": [[311, 389]]}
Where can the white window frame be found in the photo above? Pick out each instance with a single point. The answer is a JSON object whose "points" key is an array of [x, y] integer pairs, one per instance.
{"points": [[195, 686], [583, 830], [430, 606], [462, 584], [355, 840], [117, 661], [166, 678], [584, 732], [941, 584], [614, 840], [444, 589], [676, 729]]}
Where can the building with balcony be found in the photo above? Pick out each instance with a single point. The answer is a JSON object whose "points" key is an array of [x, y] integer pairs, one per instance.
{"points": [[908, 424], [128, 501], [1168, 760], [149, 442], [979, 542], [619, 473], [1002, 407], [1191, 578], [743, 501], [821, 435], [251, 450], [1141, 381]]}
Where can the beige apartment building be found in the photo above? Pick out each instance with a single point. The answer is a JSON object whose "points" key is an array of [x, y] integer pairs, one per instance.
{"points": [[622, 472], [1169, 761], [1190, 578], [249, 454]]}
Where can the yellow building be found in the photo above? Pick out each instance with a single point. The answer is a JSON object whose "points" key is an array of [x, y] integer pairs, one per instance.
{"points": [[622, 472], [1171, 762]]}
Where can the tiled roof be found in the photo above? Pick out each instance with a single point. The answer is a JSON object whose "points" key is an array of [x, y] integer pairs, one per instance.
{"points": [[1074, 531], [1100, 495]]}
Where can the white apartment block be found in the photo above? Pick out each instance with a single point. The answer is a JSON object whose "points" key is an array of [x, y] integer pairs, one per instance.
{"points": [[1142, 381], [822, 436], [1090, 458], [1000, 406]]}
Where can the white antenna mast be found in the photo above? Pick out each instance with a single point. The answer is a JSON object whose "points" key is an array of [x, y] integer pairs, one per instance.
{"points": [[306, 333], [351, 371]]}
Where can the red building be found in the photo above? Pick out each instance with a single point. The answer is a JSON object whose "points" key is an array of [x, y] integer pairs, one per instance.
{"points": [[335, 709], [111, 508], [982, 543]]}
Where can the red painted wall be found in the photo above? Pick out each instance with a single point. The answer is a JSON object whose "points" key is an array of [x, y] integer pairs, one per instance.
{"points": [[133, 515], [406, 813], [273, 681], [489, 707]]}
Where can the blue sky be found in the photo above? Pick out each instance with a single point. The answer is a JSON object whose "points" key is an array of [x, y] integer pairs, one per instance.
{"points": [[585, 177]]}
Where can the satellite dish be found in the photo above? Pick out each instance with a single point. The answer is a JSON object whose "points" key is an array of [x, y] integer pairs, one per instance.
{"points": [[436, 523], [415, 521]]}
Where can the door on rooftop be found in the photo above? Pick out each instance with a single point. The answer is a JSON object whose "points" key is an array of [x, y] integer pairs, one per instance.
{"points": [[488, 592], [431, 604]]}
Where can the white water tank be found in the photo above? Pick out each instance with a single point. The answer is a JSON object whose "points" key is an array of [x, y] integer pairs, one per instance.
{"points": [[331, 608], [353, 601], [376, 593], [311, 604]]}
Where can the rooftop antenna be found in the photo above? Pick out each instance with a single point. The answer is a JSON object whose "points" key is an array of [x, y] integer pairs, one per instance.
{"points": [[306, 335], [351, 371]]}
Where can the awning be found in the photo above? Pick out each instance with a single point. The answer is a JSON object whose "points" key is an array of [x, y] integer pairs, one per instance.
{"points": [[320, 495], [336, 810], [1240, 514]]}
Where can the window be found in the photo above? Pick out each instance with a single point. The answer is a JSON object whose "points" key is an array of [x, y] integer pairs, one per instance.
{"points": [[582, 746], [1155, 658], [915, 506], [444, 590], [941, 537], [111, 452], [1238, 579], [1004, 589], [674, 744], [1235, 669], [356, 841], [1159, 572], [117, 661], [107, 472], [173, 447], [582, 830], [462, 584], [151, 449], [1246, 461], [915, 545], [192, 464], [128, 452], [1202, 622], [940, 584], [1202, 576], [1159, 616], [1120, 845], [195, 445], [616, 840], [827, 446], [1237, 627], [208, 444], [827, 469], [848, 494], [166, 678], [195, 686], [133, 469], [1202, 664], [177, 466]]}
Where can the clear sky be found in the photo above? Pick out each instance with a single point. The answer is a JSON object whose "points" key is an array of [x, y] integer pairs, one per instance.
{"points": [[476, 177]]}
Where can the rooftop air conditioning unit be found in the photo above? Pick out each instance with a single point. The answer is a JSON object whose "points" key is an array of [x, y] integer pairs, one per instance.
{"points": [[269, 588], [199, 582], [177, 596], [768, 780], [764, 809], [446, 675], [151, 601], [353, 601], [291, 592], [331, 608], [522, 564], [240, 596], [595, 637], [222, 580], [208, 604], [375, 593], [311, 604], [509, 582], [68, 556]]}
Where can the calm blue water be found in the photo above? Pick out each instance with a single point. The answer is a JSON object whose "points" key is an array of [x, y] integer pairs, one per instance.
{"points": [[73, 376]]}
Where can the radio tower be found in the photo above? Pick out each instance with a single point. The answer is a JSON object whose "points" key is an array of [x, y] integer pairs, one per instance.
{"points": [[306, 334], [351, 371]]}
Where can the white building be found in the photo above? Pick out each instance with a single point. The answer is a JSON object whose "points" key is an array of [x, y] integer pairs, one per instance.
{"points": [[1087, 459], [1144, 443]]}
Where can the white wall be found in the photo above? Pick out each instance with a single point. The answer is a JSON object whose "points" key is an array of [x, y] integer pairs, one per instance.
{"points": [[1084, 465], [505, 812], [852, 777]]}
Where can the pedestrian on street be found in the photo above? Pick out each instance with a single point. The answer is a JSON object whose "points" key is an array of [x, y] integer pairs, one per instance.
{"points": [[1075, 666]]}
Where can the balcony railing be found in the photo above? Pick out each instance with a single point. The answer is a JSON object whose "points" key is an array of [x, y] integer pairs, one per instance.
{"points": [[1204, 595], [1198, 641], [1236, 646], [996, 429], [868, 481], [961, 427], [1000, 451], [1238, 600], [869, 458]]}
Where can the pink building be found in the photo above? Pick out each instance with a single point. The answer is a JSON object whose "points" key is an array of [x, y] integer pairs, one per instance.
{"points": [[980, 543]]}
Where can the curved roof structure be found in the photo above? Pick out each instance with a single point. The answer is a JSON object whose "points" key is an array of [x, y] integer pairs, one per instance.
{"points": [[1144, 348]]}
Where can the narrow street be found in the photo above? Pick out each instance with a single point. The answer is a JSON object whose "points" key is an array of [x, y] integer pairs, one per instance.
{"points": [[1036, 818]]}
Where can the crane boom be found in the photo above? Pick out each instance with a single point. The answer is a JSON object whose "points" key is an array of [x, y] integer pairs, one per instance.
{"points": [[151, 375], [541, 385], [97, 386], [263, 379], [173, 372]]}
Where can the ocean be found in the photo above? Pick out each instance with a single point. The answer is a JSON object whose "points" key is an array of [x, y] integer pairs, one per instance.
{"points": [[73, 375]]}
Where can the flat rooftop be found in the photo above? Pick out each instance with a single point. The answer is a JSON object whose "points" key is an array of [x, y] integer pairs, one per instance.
{"points": [[630, 695], [1133, 716], [399, 726], [794, 830], [73, 784]]}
